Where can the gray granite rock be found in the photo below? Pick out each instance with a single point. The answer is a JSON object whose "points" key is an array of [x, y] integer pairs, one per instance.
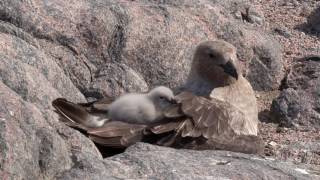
{"points": [[144, 161], [33, 145], [314, 21], [299, 104], [286, 108], [154, 38], [88, 49]]}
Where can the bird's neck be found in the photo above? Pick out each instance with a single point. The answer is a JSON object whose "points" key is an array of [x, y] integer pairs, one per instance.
{"points": [[158, 107], [204, 82]]}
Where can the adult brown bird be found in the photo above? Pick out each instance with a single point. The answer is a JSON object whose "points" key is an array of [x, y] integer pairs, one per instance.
{"points": [[216, 109]]}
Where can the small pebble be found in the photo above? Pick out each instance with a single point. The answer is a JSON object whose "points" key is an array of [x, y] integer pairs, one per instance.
{"points": [[11, 113], [272, 143], [283, 32]]}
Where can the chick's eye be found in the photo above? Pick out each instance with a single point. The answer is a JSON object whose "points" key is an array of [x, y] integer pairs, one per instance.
{"points": [[161, 97], [211, 55]]}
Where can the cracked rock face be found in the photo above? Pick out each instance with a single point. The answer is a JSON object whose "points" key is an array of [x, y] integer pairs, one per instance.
{"points": [[89, 49]]}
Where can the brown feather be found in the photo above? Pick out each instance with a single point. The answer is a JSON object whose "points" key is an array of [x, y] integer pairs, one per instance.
{"points": [[99, 106], [115, 128], [110, 142], [79, 114], [67, 109], [187, 127], [165, 127], [168, 140], [132, 138], [174, 112], [184, 96]]}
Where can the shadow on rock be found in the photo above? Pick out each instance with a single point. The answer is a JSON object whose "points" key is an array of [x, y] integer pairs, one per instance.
{"points": [[312, 26]]}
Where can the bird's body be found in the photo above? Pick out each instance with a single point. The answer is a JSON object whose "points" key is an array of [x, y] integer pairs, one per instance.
{"points": [[241, 95], [215, 74]]}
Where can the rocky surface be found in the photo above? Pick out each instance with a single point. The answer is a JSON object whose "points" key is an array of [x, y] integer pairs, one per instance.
{"points": [[297, 107], [33, 143], [146, 36], [293, 23], [88, 49], [144, 161], [291, 144]]}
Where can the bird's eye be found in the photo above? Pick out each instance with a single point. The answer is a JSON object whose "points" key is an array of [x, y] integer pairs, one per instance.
{"points": [[211, 55], [161, 97]]}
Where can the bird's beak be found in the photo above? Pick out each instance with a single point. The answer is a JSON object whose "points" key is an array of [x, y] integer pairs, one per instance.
{"points": [[230, 69]]}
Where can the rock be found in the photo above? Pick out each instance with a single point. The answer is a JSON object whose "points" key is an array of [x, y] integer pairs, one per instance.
{"points": [[312, 12], [123, 79], [33, 143], [148, 38], [255, 16], [89, 49], [299, 104], [143, 161], [314, 20], [286, 108], [304, 152], [282, 31], [265, 70], [273, 144]]}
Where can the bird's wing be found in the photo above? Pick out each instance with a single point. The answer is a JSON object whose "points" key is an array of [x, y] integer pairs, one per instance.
{"points": [[165, 127], [116, 129], [249, 144], [112, 133], [117, 134], [210, 118], [173, 111], [70, 113], [81, 115], [213, 124], [241, 95], [100, 105], [197, 123]]}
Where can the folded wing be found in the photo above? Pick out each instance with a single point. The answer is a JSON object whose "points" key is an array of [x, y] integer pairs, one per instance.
{"points": [[194, 123]]}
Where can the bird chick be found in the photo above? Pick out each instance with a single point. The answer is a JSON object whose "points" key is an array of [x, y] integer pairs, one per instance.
{"points": [[142, 108]]}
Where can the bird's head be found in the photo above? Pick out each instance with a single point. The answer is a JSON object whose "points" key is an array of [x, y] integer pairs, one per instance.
{"points": [[215, 55], [162, 97]]}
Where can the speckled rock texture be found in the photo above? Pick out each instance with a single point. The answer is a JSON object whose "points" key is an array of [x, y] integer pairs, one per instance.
{"points": [[84, 50], [299, 103], [144, 161]]}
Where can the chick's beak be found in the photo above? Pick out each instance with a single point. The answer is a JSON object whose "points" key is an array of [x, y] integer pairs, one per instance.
{"points": [[173, 101], [230, 69]]}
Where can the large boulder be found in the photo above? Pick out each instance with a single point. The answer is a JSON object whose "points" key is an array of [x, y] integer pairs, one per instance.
{"points": [[33, 144], [145, 161], [155, 39], [88, 49]]}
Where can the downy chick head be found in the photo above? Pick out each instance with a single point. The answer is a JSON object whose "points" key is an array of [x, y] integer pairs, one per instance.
{"points": [[216, 55], [162, 97]]}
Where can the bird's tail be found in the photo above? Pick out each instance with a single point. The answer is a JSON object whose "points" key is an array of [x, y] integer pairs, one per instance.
{"points": [[76, 115]]}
